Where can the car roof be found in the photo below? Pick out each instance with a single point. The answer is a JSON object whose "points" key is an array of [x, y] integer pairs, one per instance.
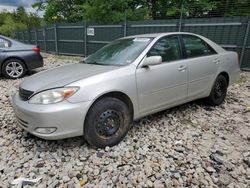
{"points": [[6, 38], [154, 35]]}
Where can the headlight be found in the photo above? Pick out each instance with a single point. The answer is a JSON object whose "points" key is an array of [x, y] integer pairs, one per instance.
{"points": [[53, 95]]}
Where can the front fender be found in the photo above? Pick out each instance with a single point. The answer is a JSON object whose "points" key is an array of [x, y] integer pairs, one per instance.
{"points": [[119, 80]]}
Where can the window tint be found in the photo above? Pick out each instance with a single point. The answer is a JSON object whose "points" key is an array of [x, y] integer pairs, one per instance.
{"points": [[3, 43], [196, 47], [168, 48]]}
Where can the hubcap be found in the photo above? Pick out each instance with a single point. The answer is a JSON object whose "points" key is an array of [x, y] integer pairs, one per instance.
{"points": [[219, 89], [109, 123], [14, 69]]}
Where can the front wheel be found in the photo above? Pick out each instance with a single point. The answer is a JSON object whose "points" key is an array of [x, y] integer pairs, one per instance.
{"points": [[107, 122], [219, 91]]}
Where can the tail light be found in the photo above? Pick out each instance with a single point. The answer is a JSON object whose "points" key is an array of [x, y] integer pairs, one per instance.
{"points": [[36, 49]]}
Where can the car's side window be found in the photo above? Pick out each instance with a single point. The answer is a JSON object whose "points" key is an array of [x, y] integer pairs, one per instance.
{"points": [[196, 47], [168, 48], [3, 43]]}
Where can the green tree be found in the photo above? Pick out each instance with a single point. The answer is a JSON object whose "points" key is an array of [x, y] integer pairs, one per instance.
{"points": [[17, 20], [231, 8], [116, 10], [113, 10], [9, 24], [60, 10]]}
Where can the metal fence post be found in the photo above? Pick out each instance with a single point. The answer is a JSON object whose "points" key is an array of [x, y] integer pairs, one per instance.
{"points": [[125, 24], [245, 42], [56, 41], [85, 39], [44, 39], [23, 37], [29, 36], [36, 36], [180, 20]]}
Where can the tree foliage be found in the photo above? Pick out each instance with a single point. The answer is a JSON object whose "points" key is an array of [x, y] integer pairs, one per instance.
{"points": [[17, 20], [113, 10], [60, 10], [119, 10]]}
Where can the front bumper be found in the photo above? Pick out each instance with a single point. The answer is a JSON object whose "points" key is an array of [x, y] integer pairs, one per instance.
{"points": [[67, 118]]}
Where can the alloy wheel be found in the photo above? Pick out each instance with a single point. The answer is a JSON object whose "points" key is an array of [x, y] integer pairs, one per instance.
{"points": [[14, 69]]}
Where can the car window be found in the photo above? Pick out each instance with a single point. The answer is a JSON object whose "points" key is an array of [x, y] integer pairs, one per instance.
{"points": [[3, 43], [196, 47], [168, 48]]}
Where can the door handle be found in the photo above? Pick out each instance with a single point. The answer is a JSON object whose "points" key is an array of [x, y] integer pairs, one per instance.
{"points": [[182, 68], [216, 61]]}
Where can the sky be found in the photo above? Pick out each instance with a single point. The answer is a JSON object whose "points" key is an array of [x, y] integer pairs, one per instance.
{"points": [[11, 5]]}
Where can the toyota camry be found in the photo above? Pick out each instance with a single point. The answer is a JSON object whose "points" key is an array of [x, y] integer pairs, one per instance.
{"points": [[127, 79]]}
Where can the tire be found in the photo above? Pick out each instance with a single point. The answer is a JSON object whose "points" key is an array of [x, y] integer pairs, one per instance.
{"points": [[107, 122], [13, 68], [218, 92]]}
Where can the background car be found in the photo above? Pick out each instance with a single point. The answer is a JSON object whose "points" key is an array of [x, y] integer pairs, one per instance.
{"points": [[17, 58], [127, 79]]}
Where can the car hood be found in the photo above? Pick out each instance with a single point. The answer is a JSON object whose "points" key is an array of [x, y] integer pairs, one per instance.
{"points": [[62, 76]]}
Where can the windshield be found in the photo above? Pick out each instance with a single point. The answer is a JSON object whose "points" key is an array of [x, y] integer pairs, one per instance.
{"points": [[119, 52]]}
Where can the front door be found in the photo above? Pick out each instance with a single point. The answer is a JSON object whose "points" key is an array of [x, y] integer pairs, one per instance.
{"points": [[163, 85]]}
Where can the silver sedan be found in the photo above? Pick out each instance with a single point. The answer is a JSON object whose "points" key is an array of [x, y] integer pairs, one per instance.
{"points": [[127, 79]]}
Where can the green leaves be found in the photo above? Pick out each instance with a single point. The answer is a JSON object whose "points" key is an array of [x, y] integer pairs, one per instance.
{"points": [[18, 20]]}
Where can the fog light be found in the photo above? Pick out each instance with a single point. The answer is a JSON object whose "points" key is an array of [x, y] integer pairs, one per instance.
{"points": [[45, 130]]}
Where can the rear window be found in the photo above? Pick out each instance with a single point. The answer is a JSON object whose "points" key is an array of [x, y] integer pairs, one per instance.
{"points": [[196, 47]]}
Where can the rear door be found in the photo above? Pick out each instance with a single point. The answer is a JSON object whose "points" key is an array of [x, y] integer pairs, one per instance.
{"points": [[203, 63], [165, 84]]}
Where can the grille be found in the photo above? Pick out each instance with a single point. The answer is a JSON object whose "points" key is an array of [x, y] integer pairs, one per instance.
{"points": [[22, 122], [25, 94]]}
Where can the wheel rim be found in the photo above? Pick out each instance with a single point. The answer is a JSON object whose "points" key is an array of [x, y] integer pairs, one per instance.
{"points": [[219, 90], [109, 123], [14, 69]]}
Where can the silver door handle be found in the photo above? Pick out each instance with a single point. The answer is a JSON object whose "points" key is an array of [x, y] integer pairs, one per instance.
{"points": [[216, 61], [182, 68]]}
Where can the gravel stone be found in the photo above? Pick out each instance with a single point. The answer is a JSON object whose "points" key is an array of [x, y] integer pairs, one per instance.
{"points": [[149, 183], [210, 169], [192, 145], [66, 179]]}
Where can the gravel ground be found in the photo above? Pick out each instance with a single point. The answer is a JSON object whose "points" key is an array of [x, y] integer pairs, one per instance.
{"points": [[192, 145]]}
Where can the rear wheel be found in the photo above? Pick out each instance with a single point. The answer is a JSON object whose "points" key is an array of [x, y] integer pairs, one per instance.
{"points": [[219, 91], [13, 68], [107, 122]]}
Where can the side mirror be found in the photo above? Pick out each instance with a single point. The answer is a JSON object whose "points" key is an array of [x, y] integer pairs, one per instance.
{"points": [[152, 60]]}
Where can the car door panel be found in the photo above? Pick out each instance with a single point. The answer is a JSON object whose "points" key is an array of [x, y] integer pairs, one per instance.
{"points": [[165, 84], [161, 85], [201, 75], [203, 64]]}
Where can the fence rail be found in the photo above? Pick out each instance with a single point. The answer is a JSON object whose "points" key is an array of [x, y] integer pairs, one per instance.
{"points": [[83, 38]]}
